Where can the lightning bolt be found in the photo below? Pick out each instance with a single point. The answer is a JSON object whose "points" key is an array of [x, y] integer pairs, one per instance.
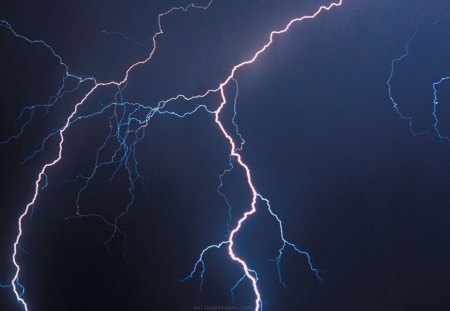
{"points": [[435, 106], [438, 136], [389, 85], [234, 153], [235, 148]]}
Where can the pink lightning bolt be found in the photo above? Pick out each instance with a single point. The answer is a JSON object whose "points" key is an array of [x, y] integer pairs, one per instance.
{"points": [[234, 152]]}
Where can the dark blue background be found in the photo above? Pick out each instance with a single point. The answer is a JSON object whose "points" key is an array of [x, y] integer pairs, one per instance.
{"points": [[367, 199]]}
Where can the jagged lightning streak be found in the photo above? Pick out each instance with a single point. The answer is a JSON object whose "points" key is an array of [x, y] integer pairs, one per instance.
{"points": [[15, 281], [435, 104], [234, 152], [440, 137], [125, 37], [389, 85]]}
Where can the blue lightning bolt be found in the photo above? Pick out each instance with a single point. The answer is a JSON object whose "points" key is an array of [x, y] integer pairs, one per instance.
{"points": [[389, 84], [125, 37], [439, 137], [435, 108]]}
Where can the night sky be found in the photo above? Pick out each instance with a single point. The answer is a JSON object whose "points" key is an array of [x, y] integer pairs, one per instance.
{"points": [[360, 180]]}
